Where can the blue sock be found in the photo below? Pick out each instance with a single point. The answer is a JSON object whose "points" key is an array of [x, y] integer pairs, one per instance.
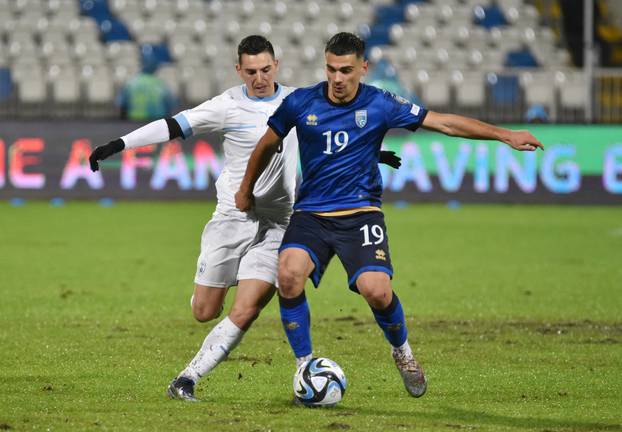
{"points": [[297, 323], [392, 322]]}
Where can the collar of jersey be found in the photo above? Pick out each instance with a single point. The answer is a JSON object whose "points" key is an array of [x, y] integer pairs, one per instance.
{"points": [[358, 92], [266, 99]]}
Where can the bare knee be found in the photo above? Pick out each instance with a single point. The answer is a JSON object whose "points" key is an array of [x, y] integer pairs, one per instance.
{"points": [[205, 311], [295, 265], [207, 302], [291, 281], [375, 287]]}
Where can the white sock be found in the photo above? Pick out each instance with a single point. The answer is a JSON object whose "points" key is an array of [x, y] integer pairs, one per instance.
{"points": [[404, 349], [223, 339], [301, 360]]}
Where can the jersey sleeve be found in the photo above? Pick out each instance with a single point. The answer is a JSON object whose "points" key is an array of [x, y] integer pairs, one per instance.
{"points": [[207, 117], [401, 113], [284, 118]]}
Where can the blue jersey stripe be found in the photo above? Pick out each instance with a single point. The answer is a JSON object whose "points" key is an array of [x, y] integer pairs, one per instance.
{"points": [[184, 124], [355, 276]]}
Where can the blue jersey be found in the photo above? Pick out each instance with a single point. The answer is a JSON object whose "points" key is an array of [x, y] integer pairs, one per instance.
{"points": [[340, 143]]}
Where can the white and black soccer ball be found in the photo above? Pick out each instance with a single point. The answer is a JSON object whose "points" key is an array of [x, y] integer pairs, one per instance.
{"points": [[319, 382]]}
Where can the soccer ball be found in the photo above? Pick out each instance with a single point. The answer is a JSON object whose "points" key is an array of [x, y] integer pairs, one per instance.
{"points": [[319, 382]]}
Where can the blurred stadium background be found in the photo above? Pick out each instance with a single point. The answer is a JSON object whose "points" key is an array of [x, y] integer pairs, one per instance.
{"points": [[504, 61], [70, 58]]}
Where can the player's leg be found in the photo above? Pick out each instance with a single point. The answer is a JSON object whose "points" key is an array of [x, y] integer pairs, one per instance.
{"points": [[223, 243], [207, 302], [303, 254], [295, 265], [251, 296], [363, 248], [257, 275], [375, 287]]}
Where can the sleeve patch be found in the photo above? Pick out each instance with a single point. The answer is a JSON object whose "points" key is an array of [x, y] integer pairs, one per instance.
{"points": [[184, 124], [400, 99]]}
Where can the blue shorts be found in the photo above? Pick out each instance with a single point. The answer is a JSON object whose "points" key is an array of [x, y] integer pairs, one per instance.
{"points": [[359, 240]]}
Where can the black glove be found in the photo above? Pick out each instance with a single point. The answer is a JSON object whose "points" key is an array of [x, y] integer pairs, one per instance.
{"points": [[390, 158], [105, 151]]}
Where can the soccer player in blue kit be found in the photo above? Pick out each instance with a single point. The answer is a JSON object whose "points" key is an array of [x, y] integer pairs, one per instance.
{"points": [[340, 126]]}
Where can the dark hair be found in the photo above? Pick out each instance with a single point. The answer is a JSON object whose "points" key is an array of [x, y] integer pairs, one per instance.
{"points": [[254, 44], [345, 43]]}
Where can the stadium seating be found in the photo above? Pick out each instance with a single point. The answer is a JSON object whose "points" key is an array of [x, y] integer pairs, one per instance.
{"points": [[82, 51]]}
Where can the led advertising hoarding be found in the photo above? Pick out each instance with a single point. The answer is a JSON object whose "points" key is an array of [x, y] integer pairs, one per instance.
{"points": [[581, 164]]}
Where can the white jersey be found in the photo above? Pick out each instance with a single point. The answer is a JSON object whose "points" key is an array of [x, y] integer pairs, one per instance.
{"points": [[243, 121]]}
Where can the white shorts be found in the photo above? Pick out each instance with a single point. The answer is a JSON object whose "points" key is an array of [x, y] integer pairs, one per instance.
{"points": [[233, 249]]}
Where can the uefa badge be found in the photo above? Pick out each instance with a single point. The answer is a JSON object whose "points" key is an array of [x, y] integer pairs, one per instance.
{"points": [[360, 118]]}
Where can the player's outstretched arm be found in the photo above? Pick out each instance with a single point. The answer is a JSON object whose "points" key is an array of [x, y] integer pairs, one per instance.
{"points": [[455, 125], [266, 147], [156, 132]]}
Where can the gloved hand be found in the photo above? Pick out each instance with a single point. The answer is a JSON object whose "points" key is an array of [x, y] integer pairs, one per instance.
{"points": [[105, 151], [390, 158]]}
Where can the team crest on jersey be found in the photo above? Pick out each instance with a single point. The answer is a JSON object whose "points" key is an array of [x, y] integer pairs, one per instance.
{"points": [[311, 120], [360, 118]]}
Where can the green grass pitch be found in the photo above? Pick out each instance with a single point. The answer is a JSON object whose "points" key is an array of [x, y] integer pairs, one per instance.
{"points": [[514, 311]]}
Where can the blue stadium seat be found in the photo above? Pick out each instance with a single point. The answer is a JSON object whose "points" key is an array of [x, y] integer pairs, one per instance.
{"points": [[384, 18], [114, 30], [6, 86], [520, 58], [379, 35], [97, 9], [504, 89], [390, 14], [152, 55], [489, 16]]}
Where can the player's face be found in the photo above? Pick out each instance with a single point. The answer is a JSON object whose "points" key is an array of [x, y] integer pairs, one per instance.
{"points": [[344, 74], [258, 71]]}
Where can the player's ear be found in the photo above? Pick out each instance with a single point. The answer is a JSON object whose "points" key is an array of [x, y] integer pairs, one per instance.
{"points": [[276, 64], [365, 67]]}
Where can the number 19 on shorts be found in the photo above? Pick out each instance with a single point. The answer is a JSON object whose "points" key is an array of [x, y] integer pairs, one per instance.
{"points": [[377, 234]]}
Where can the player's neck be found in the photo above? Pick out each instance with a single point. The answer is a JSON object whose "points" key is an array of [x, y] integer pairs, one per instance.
{"points": [[340, 101], [346, 99]]}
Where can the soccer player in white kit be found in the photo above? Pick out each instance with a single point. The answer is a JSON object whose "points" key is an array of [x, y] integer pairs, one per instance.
{"points": [[237, 248]]}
